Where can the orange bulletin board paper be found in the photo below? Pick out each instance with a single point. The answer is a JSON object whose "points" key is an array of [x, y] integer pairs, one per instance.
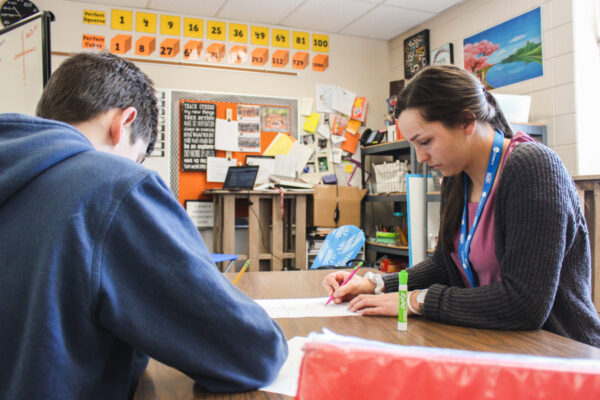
{"points": [[193, 183]]}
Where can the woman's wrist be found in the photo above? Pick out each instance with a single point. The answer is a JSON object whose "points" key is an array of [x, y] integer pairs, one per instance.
{"points": [[376, 281], [416, 300]]}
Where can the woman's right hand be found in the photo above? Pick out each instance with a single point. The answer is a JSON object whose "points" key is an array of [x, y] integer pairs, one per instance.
{"points": [[357, 285]]}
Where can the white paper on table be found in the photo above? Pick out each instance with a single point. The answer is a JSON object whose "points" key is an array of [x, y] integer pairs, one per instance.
{"points": [[306, 106], [343, 100], [303, 153], [216, 168], [301, 308], [226, 135], [324, 131], [285, 165], [289, 374]]}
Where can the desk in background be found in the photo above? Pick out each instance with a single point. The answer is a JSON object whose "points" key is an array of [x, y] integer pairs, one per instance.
{"points": [[588, 189], [162, 382], [269, 235]]}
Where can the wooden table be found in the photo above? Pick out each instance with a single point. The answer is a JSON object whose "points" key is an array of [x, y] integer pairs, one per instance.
{"points": [[269, 232], [162, 382], [588, 189]]}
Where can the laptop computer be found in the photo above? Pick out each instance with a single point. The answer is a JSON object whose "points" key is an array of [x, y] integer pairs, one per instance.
{"points": [[240, 178]]}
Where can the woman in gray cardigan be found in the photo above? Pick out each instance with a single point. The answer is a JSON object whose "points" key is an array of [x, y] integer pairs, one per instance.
{"points": [[514, 248]]}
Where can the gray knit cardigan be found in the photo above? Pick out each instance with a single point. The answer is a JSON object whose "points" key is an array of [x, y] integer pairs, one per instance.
{"points": [[542, 244]]}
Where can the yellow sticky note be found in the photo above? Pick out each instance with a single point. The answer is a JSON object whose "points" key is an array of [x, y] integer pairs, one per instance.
{"points": [[311, 122], [170, 25], [238, 33], [215, 30], [94, 17], [320, 43], [193, 27], [259, 35], [280, 145], [349, 168], [145, 22], [300, 40], [281, 38], [121, 19]]}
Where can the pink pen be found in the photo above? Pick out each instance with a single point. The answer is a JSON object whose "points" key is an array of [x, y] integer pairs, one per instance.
{"points": [[347, 279]]}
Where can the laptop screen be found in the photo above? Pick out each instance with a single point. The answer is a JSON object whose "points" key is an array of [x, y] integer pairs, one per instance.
{"points": [[240, 178]]}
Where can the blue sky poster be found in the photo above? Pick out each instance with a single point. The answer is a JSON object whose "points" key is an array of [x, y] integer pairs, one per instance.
{"points": [[507, 53]]}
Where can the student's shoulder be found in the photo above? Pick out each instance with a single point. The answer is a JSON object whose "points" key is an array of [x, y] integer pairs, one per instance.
{"points": [[112, 170]]}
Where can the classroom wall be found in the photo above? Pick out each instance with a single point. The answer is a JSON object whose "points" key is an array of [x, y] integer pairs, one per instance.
{"points": [[558, 97], [359, 65]]}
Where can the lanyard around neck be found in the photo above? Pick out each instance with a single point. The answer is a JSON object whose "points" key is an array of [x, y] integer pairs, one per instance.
{"points": [[464, 245]]}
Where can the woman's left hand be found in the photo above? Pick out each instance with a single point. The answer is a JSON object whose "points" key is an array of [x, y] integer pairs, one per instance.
{"points": [[375, 304]]}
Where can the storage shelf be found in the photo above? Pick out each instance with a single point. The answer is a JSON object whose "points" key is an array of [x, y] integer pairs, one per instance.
{"points": [[395, 196], [390, 148], [388, 248], [434, 196]]}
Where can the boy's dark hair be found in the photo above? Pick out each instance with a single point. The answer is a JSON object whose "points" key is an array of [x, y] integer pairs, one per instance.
{"points": [[452, 96], [87, 85]]}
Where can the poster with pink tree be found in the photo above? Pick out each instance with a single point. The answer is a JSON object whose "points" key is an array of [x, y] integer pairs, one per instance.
{"points": [[507, 53]]}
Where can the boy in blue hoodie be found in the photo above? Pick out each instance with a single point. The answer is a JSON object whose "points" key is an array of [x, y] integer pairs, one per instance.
{"points": [[98, 261]]}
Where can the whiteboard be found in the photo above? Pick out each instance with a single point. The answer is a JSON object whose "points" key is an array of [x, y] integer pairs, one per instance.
{"points": [[24, 64]]}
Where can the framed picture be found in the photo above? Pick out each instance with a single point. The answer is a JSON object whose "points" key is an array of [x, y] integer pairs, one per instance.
{"points": [[443, 55], [507, 53], [416, 53], [323, 163]]}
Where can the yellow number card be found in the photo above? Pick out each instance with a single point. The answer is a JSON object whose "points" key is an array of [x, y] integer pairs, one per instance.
{"points": [[281, 38], [259, 35], [300, 40], [320, 43], [145, 22], [215, 30], [238, 33], [121, 19], [193, 27], [170, 25]]}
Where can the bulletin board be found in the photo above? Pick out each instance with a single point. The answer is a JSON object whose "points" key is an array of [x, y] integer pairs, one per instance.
{"points": [[189, 184]]}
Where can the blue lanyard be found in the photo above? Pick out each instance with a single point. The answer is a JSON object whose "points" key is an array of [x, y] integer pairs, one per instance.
{"points": [[464, 245]]}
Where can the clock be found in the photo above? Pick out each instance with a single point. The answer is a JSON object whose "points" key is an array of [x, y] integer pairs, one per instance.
{"points": [[15, 10]]}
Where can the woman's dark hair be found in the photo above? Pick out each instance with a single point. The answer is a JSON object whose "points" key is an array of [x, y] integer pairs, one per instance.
{"points": [[452, 96], [87, 85]]}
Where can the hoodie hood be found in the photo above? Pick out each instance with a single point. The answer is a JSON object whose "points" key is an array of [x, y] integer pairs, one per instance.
{"points": [[29, 146]]}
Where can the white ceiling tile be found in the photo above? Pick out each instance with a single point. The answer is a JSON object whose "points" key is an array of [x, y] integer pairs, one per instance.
{"points": [[205, 8], [423, 5], [264, 11], [386, 22], [327, 15], [116, 3]]}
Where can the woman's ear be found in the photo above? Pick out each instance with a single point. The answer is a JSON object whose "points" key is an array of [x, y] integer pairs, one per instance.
{"points": [[468, 121]]}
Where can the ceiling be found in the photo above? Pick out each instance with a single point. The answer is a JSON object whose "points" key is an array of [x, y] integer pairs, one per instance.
{"points": [[376, 19]]}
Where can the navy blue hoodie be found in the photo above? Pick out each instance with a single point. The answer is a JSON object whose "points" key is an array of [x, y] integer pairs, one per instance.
{"points": [[97, 261]]}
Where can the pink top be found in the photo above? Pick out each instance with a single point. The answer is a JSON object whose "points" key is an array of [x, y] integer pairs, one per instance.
{"points": [[483, 248]]}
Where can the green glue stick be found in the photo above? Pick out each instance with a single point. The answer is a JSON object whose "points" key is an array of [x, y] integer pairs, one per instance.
{"points": [[402, 298]]}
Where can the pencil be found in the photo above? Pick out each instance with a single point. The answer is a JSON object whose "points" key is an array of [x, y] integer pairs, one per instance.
{"points": [[239, 275], [347, 279]]}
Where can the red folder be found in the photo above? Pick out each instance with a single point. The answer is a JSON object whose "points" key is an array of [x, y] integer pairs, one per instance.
{"points": [[356, 371]]}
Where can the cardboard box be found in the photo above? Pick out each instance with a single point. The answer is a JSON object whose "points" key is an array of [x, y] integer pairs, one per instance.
{"points": [[324, 200]]}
